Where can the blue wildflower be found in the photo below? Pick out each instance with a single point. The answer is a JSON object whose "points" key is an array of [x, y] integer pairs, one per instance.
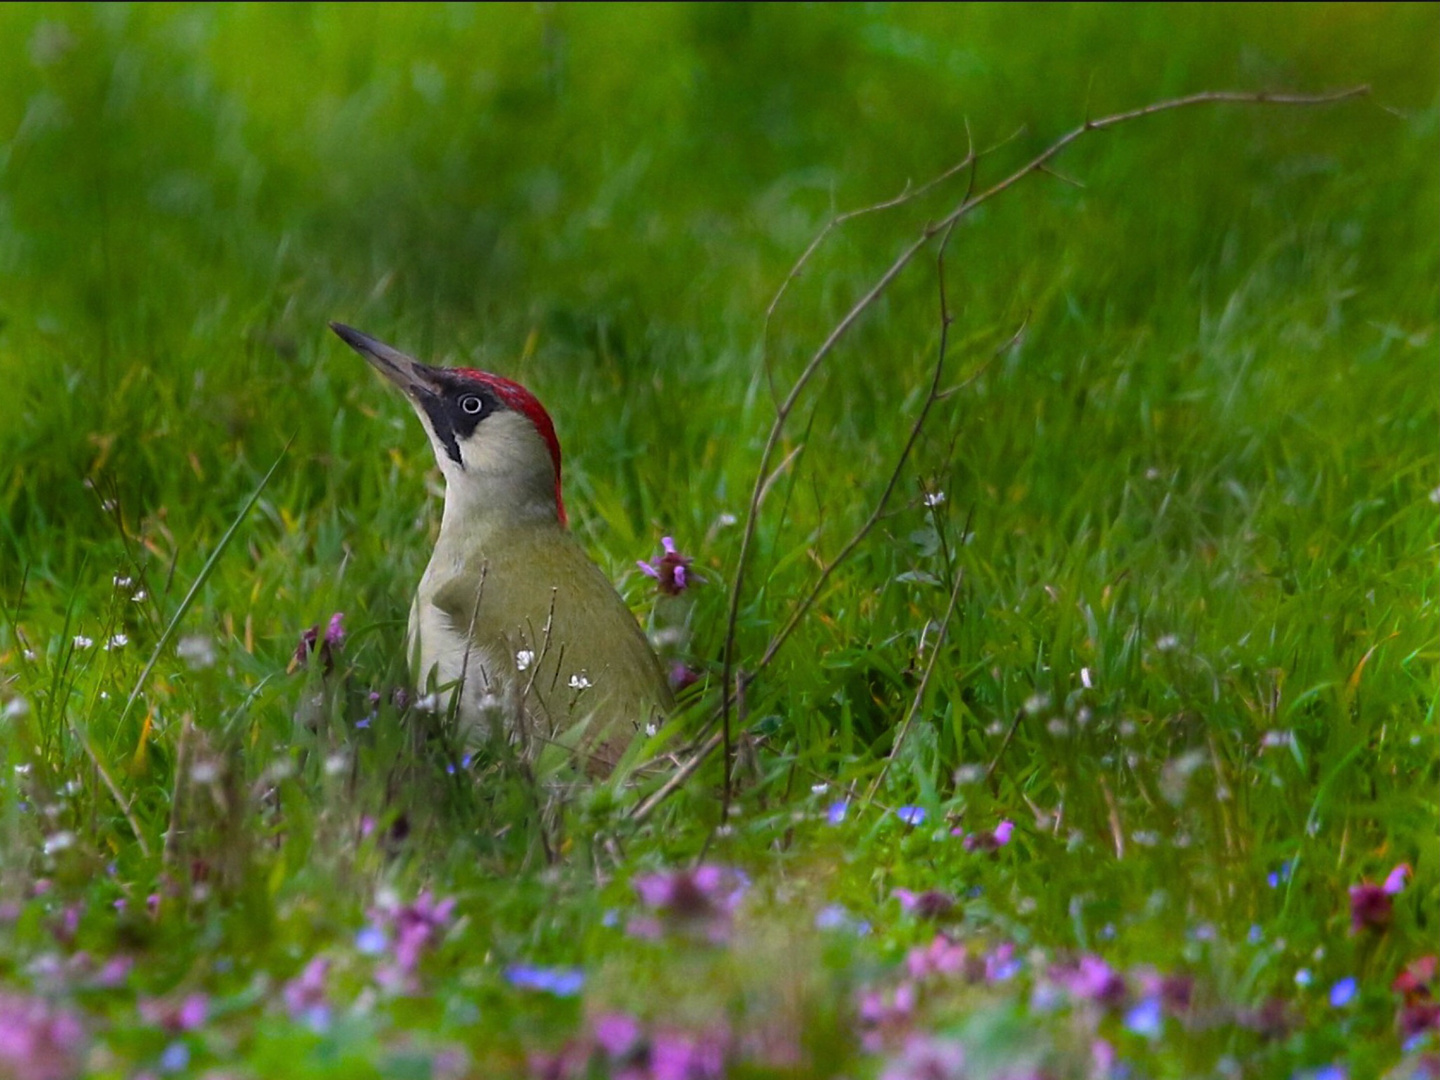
{"points": [[1343, 992], [1146, 1018], [911, 815], [562, 982], [371, 940]]}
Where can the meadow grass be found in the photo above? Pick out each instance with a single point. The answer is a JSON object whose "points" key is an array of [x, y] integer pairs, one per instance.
{"points": [[1183, 493]]}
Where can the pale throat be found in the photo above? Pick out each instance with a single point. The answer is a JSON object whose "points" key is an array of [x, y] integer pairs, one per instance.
{"points": [[507, 479]]}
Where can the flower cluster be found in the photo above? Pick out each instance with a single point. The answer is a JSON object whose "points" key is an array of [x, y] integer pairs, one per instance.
{"points": [[401, 934], [620, 1046], [38, 1039], [1419, 1010], [671, 571], [700, 902], [328, 643], [1371, 906]]}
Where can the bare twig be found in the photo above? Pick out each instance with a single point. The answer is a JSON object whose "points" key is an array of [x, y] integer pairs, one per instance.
{"points": [[919, 697], [906, 256]]}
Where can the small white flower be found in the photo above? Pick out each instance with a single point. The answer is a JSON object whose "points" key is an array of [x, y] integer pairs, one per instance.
{"points": [[934, 498], [58, 842], [1303, 977], [30, 655], [651, 729], [204, 771], [196, 650], [429, 703], [104, 695], [15, 708], [118, 641], [108, 505], [123, 581], [1278, 738], [139, 596], [726, 519], [82, 642], [336, 764], [523, 659], [1168, 643], [579, 682], [969, 774], [819, 789], [1086, 680]]}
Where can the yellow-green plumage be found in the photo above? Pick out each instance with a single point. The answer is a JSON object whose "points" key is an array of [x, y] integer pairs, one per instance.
{"points": [[512, 622], [552, 646]]}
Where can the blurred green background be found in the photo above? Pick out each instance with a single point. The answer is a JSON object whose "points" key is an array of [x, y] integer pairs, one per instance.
{"points": [[190, 192]]}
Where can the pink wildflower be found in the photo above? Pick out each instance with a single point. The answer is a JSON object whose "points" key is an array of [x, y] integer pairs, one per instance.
{"points": [[38, 1040]]}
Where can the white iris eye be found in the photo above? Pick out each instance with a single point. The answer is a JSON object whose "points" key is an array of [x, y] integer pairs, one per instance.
{"points": [[471, 404]]}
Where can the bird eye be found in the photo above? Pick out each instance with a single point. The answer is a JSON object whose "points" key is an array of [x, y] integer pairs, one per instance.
{"points": [[471, 405]]}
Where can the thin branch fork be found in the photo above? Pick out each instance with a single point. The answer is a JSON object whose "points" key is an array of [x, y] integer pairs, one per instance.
{"points": [[906, 256]]}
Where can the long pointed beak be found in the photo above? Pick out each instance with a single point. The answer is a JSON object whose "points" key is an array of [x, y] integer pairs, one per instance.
{"points": [[404, 371]]}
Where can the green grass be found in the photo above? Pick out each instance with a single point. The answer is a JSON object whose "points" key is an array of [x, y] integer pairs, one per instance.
{"points": [[1193, 652]]}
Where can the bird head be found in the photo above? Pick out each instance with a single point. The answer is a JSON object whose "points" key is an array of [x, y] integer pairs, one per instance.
{"points": [[493, 440]]}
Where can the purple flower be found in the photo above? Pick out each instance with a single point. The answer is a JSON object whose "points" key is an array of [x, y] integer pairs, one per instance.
{"points": [[38, 1040], [683, 1056], [701, 893], [682, 676], [1415, 981], [174, 1016], [562, 982], [1370, 907], [911, 815], [930, 904], [114, 972], [405, 932], [1002, 964], [1419, 1017], [926, 1057], [305, 994], [884, 1017], [941, 957], [1396, 879], [836, 814], [671, 571], [1093, 980], [329, 643], [988, 841], [618, 1034]]}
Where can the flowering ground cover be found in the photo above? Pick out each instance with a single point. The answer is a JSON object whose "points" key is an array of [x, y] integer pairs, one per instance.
{"points": [[1085, 729]]}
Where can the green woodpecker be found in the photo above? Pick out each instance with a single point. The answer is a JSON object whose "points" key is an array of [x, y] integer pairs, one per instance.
{"points": [[511, 614]]}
